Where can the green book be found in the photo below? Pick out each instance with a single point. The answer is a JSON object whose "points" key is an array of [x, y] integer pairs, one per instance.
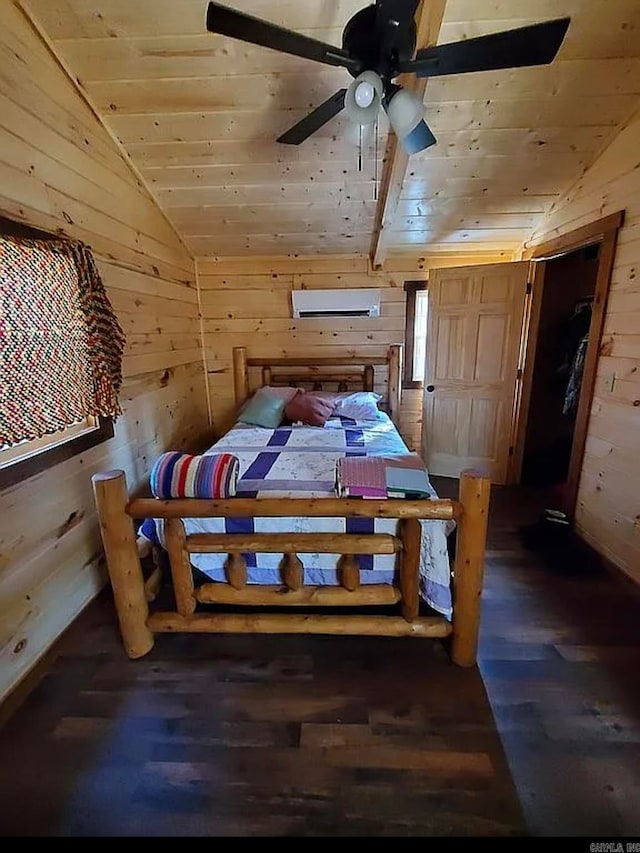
{"points": [[403, 481]]}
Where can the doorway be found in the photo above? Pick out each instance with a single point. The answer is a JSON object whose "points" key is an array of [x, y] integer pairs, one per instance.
{"points": [[560, 349], [568, 292]]}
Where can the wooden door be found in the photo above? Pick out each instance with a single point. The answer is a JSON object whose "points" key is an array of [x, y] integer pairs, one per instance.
{"points": [[475, 325]]}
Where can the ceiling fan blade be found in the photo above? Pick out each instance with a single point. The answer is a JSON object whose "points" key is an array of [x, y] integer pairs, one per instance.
{"points": [[315, 120], [229, 22], [537, 44]]}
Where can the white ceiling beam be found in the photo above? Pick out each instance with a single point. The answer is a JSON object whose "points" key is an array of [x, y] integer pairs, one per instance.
{"points": [[429, 15]]}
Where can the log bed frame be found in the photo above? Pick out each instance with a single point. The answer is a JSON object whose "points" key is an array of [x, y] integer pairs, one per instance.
{"points": [[133, 597]]}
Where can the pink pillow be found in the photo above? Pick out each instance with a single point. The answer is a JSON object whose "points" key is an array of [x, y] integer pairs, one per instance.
{"points": [[309, 408]]}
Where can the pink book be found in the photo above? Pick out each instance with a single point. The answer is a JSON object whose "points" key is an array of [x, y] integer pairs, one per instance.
{"points": [[361, 476]]}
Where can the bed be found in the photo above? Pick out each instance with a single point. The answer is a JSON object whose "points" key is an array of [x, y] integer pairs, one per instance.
{"points": [[285, 554]]}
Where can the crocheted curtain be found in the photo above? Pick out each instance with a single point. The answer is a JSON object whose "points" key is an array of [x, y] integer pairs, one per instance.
{"points": [[60, 343]]}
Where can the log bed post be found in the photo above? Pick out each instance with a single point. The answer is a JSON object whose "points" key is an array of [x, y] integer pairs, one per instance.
{"points": [[181, 569], [468, 574], [240, 375], [411, 534], [123, 562], [235, 570], [292, 571], [349, 572], [368, 378], [394, 382]]}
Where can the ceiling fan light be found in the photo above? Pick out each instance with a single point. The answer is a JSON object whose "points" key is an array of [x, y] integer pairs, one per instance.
{"points": [[363, 98], [364, 94], [405, 110]]}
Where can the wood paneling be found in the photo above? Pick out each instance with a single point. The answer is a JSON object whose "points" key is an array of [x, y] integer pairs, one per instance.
{"points": [[60, 171], [199, 114], [247, 302], [608, 512]]}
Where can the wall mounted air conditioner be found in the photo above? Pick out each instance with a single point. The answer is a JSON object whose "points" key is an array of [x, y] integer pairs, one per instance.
{"points": [[335, 303]]}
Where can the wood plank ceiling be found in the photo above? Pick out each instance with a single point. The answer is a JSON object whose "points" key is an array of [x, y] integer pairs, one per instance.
{"points": [[199, 115]]}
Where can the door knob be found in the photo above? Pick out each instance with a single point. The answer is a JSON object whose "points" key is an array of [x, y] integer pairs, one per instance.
{"points": [[431, 388]]}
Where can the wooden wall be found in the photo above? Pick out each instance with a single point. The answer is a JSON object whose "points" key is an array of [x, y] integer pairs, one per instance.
{"points": [[60, 170], [608, 513], [247, 301]]}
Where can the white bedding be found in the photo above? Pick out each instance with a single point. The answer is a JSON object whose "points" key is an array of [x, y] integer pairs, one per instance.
{"points": [[299, 462]]}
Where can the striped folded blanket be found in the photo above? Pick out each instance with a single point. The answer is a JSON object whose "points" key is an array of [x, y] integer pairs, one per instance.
{"points": [[180, 475]]}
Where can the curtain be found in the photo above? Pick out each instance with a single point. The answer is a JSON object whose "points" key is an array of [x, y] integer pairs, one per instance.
{"points": [[61, 344]]}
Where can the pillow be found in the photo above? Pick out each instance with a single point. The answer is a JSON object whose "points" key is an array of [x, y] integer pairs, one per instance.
{"points": [[359, 405], [278, 392], [282, 392], [263, 409], [309, 408], [180, 475]]}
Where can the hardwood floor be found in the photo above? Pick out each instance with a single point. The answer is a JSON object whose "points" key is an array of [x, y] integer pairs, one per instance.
{"points": [[559, 657], [324, 736]]}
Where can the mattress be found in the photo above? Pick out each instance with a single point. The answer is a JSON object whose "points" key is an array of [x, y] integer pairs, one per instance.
{"points": [[298, 461]]}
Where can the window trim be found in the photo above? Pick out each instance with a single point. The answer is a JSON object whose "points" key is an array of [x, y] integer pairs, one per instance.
{"points": [[13, 228], [410, 288], [22, 469]]}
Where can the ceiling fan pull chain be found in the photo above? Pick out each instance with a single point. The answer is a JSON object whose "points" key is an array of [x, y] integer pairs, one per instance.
{"points": [[359, 147], [375, 161]]}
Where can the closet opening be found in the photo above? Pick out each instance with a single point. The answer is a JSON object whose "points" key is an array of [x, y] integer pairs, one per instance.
{"points": [[564, 327], [561, 346]]}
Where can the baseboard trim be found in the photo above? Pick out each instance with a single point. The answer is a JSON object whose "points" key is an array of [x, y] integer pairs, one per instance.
{"points": [[599, 560], [25, 687], [19, 694]]}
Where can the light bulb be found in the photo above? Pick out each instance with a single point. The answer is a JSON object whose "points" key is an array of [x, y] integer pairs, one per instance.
{"points": [[364, 94], [362, 101]]}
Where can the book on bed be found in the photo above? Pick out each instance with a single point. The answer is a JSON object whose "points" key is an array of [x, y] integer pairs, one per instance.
{"points": [[401, 476], [361, 477], [403, 481]]}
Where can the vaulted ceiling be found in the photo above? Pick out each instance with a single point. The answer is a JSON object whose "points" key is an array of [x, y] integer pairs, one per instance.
{"points": [[199, 114]]}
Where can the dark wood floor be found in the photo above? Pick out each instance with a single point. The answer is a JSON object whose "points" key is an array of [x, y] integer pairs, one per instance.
{"points": [[560, 661], [323, 736]]}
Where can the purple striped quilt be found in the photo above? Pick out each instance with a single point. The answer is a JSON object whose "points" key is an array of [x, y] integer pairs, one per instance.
{"points": [[296, 462]]}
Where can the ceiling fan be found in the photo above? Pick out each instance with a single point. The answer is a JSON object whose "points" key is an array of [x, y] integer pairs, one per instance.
{"points": [[378, 44]]}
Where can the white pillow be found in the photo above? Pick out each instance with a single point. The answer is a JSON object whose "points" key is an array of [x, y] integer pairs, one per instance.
{"points": [[359, 405]]}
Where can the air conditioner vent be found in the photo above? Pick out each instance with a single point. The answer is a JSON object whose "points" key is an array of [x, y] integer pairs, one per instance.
{"points": [[361, 302], [356, 313]]}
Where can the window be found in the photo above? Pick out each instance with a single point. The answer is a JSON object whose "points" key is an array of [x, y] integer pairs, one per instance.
{"points": [[60, 352], [415, 343], [26, 458]]}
